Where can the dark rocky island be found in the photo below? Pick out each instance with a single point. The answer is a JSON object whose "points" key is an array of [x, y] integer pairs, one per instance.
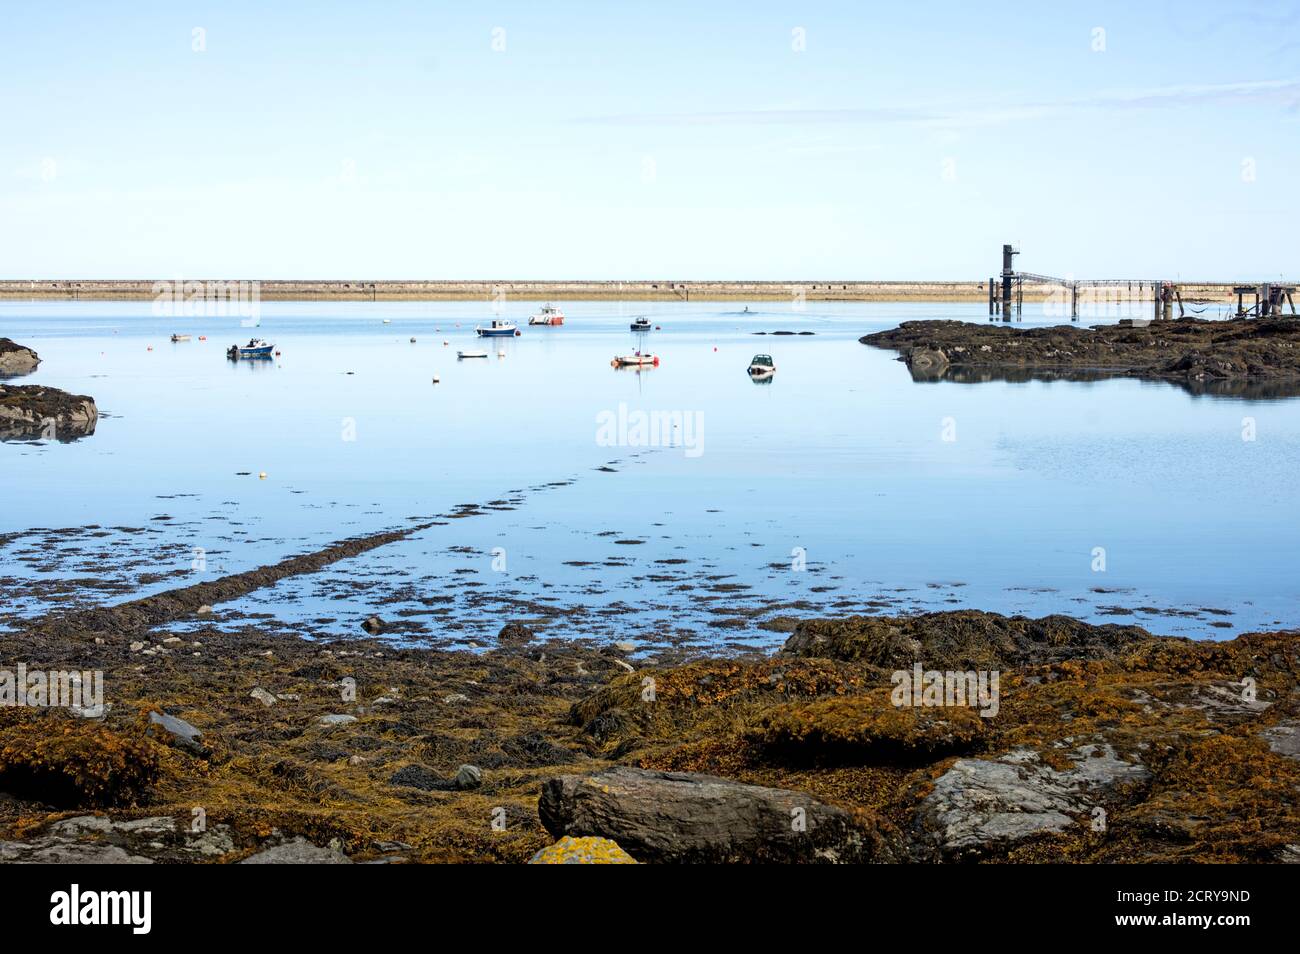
{"points": [[32, 411], [1244, 357], [35, 412], [15, 359]]}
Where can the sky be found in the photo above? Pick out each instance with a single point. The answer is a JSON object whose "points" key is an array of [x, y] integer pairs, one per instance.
{"points": [[665, 140]]}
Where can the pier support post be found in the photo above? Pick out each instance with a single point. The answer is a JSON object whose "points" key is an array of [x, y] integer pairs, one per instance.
{"points": [[1074, 302], [1007, 275]]}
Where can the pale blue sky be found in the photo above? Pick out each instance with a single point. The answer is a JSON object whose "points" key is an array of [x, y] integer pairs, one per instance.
{"points": [[673, 140]]}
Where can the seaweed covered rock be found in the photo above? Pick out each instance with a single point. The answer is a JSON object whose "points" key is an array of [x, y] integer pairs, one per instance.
{"points": [[69, 763], [515, 634], [962, 640], [687, 817], [670, 704], [33, 411], [866, 729], [1197, 354], [15, 359], [583, 851]]}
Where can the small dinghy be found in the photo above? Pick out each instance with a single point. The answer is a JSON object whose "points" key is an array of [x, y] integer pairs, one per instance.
{"points": [[641, 324], [549, 315], [498, 329], [256, 348], [637, 360], [471, 354], [176, 338], [762, 366]]}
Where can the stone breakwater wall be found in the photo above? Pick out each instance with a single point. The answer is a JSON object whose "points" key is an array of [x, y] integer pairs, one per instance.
{"points": [[576, 290]]}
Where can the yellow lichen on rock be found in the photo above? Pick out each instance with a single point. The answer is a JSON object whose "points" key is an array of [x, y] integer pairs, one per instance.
{"points": [[583, 851]]}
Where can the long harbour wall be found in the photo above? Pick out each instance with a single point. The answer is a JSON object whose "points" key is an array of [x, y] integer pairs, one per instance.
{"points": [[576, 290]]}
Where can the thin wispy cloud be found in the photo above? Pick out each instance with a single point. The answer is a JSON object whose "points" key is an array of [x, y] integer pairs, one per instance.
{"points": [[1284, 92]]}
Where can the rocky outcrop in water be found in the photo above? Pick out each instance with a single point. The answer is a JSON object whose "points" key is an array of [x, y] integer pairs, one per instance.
{"points": [[15, 359], [962, 639], [1234, 358], [35, 412]]}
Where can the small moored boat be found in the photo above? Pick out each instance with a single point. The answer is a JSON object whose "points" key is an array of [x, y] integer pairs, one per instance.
{"points": [[256, 348], [176, 338], [637, 360], [762, 366], [471, 354], [549, 315], [498, 329], [641, 324]]}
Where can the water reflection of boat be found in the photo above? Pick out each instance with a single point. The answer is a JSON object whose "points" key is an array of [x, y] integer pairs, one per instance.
{"points": [[498, 329], [549, 315], [762, 367], [641, 324], [256, 348]]}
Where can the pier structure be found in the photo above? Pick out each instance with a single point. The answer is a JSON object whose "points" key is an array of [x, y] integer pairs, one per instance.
{"points": [[1270, 297]]}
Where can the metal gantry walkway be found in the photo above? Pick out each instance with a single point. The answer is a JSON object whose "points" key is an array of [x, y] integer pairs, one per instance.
{"points": [[1269, 296]]}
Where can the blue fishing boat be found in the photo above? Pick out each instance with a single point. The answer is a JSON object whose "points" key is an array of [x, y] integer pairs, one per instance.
{"points": [[256, 348], [498, 329]]}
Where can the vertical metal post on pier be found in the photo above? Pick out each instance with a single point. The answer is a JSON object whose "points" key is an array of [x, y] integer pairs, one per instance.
{"points": [[1008, 275]]}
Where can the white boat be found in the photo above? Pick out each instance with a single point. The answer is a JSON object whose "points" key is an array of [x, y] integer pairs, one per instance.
{"points": [[549, 315], [180, 338], [641, 324], [471, 354], [637, 360]]}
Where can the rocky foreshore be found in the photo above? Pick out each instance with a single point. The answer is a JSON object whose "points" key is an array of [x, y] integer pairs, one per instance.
{"points": [[1095, 744], [1247, 357]]}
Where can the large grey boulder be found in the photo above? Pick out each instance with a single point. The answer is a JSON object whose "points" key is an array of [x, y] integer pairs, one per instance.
{"points": [[1284, 738], [99, 839], [979, 805], [687, 817], [298, 851]]}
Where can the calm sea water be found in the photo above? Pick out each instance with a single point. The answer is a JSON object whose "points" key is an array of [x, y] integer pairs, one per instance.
{"points": [[840, 486]]}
